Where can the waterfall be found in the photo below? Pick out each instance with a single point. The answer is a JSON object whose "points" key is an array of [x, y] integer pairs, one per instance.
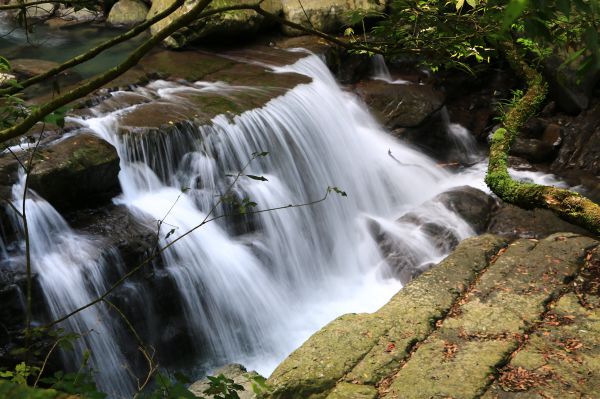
{"points": [[465, 145], [380, 71], [253, 298], [72, 272], [250, 295]]}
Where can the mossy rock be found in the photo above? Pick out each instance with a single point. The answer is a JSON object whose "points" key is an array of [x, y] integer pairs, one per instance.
{"points": [[238, 23], [76, 172], [10, 390]]}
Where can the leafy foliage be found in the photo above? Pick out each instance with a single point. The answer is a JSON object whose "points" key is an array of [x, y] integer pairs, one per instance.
{"points": [[20, 374], [462, 34], [221, 387]]}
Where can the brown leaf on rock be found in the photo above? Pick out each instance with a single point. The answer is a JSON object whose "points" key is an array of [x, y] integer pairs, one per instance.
{"points": [[519, 379]]}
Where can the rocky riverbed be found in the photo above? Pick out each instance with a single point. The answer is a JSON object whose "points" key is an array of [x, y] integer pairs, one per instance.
{"points": [[510, 313]]}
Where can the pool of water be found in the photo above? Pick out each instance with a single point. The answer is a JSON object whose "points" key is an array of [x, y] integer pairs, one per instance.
{"points": [[59, 45]]}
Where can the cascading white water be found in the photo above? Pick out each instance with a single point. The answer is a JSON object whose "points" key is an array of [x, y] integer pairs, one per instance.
{"points": [[382, 72], [72, 273], [254, 297]]}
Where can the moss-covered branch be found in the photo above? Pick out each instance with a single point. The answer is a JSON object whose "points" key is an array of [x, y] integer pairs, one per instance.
{"points": [[567, 204]]}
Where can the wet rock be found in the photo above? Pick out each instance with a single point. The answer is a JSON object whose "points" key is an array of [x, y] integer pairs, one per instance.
{"points": [[6, 77], [404, 256], [25, 68], [581, 143], [127, 13], [364, 348], [348, 68], [400, 106], [9, 168], [434, 136], [68, 17], [552, 135], [512, 221], [194, 105], [76, 172], [237, 373], [325, 16], [471, 204], [471, 102], [237, 24], [533, 128], [517, 163], [134, 237], [570, 96], [13, 283], [533, 150], [38, 10]]}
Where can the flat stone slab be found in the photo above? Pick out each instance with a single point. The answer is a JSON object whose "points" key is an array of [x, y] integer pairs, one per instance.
{"points": [[365, 347], [450, 332], [561, 358]]}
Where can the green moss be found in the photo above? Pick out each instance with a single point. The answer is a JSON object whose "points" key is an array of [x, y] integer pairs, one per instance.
{"points": [[346, 390], [11, 390]]}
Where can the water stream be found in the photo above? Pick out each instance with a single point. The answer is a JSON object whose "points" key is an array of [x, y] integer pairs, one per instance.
{"points": [[253, 297]]}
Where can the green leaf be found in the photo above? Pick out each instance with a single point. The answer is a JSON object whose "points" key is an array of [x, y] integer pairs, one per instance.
{"points": [[260, 154], [472, 3], [57, 117], [459, 4], [338, 191], [4, 65], [259, 178], [513, 10]]}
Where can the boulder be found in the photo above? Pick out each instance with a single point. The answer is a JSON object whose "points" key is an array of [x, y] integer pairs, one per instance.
{"points": [[237, 373], [127, 13], [133, 237], [68, 17], [581, 143], [570, 95], [514, 222], [533, 150], [13, 288], [398, 105], [37, 11], [552, 135], [76, 172], [230, 24], [471, 204], [325, 16], [25, 68], [405, 259], [471, 101], [6, 77]]}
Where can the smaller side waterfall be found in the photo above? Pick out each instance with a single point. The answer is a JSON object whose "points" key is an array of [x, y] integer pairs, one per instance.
{"points": [[72, 272], [465, 145], [380, 71]]}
